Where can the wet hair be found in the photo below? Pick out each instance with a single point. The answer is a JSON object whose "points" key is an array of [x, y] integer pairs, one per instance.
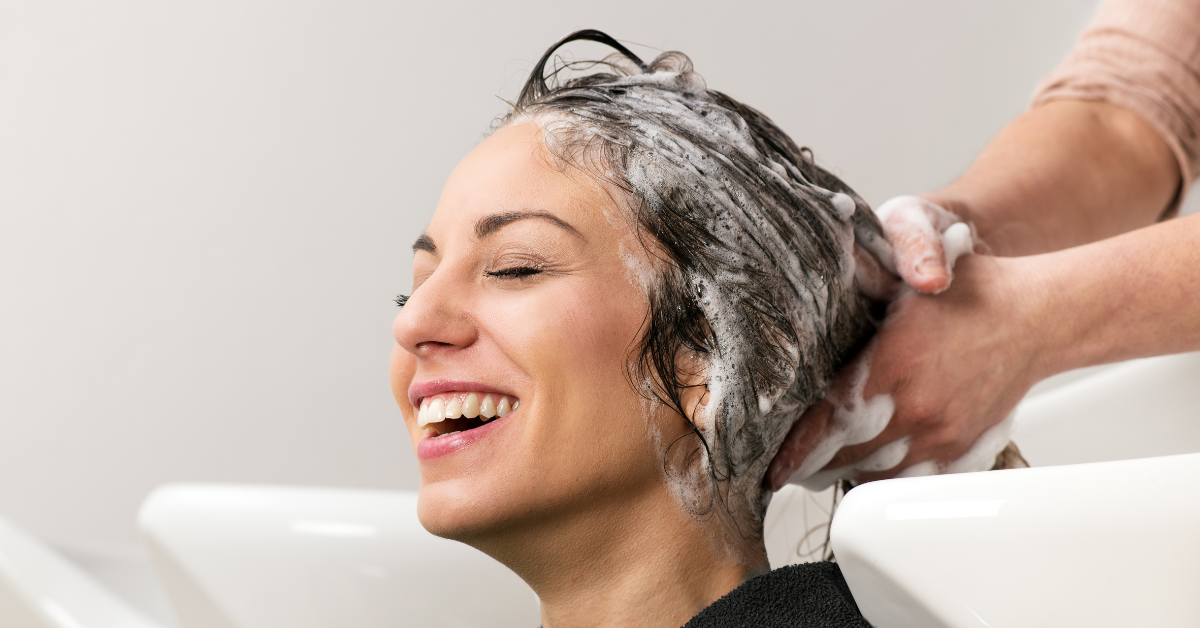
{"points": [[754, 241]]}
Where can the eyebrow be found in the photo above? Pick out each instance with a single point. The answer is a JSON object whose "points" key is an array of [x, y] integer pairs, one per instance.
{"points": [[493, 223], [425, 243]]}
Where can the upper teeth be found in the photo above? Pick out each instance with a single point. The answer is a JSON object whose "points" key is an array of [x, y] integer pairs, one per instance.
{"points": [[464, 405]]}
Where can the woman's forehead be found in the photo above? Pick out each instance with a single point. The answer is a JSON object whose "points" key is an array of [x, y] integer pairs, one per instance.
{"points": [[512, 175]]}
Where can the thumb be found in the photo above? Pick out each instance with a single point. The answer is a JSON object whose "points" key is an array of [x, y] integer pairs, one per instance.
{"points": [[926, 239]]}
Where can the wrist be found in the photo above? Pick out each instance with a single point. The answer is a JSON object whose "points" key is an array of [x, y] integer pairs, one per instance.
{"points": [[1038, 327], [1056, 326]]}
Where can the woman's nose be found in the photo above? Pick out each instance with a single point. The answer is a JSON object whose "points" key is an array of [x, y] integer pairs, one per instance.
{"points": [[435, 320]]}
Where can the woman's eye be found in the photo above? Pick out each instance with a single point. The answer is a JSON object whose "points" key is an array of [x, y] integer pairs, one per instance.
{"points": [[515, 271]]}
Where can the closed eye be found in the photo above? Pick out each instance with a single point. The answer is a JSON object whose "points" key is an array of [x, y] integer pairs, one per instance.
{"points": [[515, 271]]}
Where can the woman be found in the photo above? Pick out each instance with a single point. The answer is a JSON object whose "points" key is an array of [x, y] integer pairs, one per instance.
{"points": [[626, 296]]}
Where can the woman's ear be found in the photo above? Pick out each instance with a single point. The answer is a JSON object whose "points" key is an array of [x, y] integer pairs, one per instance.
{"points": [[695, 403], [693, 393]]}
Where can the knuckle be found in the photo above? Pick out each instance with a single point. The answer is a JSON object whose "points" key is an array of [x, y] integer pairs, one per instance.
{"points": [[922, 416], [941, 437]]}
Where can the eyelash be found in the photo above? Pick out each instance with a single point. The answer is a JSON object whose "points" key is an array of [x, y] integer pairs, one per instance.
{"points": [[514, 272]]}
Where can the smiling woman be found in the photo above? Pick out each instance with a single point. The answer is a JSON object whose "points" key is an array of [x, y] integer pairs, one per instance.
{"points": [[626, 296]]}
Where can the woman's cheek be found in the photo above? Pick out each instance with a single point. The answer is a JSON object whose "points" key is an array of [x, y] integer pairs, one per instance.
{"points": [[401, 368], [590, 324]]}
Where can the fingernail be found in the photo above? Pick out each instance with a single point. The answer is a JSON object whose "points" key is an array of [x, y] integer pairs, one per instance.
{"points": [[931, 269]]}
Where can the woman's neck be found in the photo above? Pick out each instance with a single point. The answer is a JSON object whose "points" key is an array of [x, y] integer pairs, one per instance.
{"points": [[633, 563]]}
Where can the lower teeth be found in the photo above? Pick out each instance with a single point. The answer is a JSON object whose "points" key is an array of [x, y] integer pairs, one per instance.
{"points": [[449, 426]]}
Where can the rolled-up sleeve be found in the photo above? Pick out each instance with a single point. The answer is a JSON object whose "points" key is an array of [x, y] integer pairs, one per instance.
{"points": [[1144, 56]]}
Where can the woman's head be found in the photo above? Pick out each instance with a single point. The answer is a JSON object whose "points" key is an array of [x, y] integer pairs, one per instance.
{"points": [[660, 278]]}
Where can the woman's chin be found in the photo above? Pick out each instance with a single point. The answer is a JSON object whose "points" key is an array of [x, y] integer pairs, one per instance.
{"points": [[458, 509]]}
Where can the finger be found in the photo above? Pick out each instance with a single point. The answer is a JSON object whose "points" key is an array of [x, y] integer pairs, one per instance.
{"points": [[917, 463], [864, 408], [968, 450], [806, 434], [885, 458], [854, 454], [872, 476], [848, 417], [919, 252], [874, 281]]}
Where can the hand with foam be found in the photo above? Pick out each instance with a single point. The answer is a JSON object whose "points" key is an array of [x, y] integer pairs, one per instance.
{"points": [[905, 405], [946, 404], [926, 241]]}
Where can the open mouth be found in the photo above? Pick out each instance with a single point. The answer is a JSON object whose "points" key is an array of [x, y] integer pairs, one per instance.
{"points": [[458, 412]]}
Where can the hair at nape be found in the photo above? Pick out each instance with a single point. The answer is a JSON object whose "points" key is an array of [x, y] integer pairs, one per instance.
{"points": [[755, 244]]}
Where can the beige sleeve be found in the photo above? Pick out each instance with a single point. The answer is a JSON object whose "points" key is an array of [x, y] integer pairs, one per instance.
{"points": [[1143, 55]]}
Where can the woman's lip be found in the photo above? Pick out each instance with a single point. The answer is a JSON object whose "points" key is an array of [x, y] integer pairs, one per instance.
{"points": [[430, 447], [419, 391]]}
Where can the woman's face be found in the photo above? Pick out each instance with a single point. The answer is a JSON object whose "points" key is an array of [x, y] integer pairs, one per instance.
{"points": [[526, 290]]}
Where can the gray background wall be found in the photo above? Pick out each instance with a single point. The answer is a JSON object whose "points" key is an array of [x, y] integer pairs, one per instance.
{"points": [[206, 207]]}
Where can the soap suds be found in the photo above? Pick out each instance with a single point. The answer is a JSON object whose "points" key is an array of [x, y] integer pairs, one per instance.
{"points": [[758, 245], [980, 457], [957, 241], [905, 218], [854, 420], [857, 421]]}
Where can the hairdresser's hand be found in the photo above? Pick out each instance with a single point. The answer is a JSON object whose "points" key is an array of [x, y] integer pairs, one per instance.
{"points": [[926, 241], [954, 364]]}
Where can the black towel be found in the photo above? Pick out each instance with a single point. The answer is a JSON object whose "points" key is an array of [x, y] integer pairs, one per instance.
{"points": [[812, 595]]}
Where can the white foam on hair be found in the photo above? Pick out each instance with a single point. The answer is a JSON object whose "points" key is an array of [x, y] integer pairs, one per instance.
{"points": [[807, 313], [741, 423], [843, 204]]}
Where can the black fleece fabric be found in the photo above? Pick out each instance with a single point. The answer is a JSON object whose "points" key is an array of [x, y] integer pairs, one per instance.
{"points": [[812, 595]]}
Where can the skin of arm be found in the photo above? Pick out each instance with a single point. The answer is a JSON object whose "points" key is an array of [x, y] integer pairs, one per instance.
{"points": [[1064, 174], [1050, 197]]}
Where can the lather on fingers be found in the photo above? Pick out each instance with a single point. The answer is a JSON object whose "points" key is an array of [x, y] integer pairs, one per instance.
{"points": [[926, 240]]}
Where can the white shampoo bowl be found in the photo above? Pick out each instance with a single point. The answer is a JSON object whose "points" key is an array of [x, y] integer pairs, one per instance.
{"points": [[273, 557], [41, 589], [1137, 409], [1097, 545]]}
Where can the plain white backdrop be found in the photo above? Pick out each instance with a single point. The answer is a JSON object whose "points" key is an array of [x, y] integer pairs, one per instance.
{"points": [[206, 208]]}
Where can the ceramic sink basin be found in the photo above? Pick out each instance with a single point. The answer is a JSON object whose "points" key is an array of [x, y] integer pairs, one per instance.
{"points": [[41, 589], [1097, 545], [235, 556]]}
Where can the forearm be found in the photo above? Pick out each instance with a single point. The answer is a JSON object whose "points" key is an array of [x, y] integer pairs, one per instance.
{"points": [[1126, 297], [1063, 174]]}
